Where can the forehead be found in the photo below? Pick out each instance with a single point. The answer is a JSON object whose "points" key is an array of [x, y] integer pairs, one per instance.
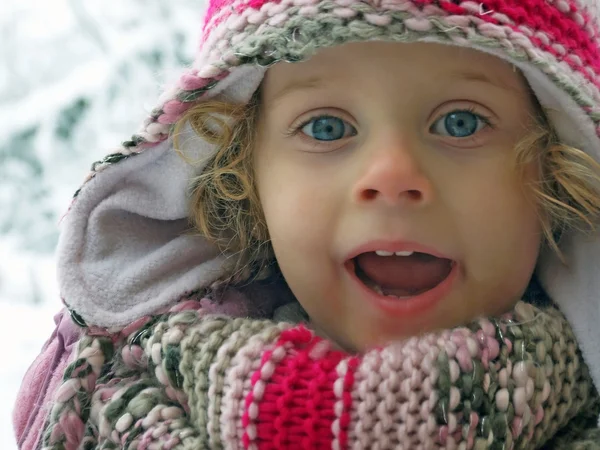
{"points": [[393, 64]]}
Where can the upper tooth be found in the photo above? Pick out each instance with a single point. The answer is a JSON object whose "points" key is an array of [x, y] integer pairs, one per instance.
{"points": [[384, 253]]}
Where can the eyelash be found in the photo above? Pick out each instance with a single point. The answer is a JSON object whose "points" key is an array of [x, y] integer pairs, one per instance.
{"points": [[296, 129], [488, 123], [487, 120]]}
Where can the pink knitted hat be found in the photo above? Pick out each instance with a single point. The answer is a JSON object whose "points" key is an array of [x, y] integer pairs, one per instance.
{"points": [[124, 253]]}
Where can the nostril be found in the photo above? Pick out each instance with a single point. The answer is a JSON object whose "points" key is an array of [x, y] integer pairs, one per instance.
{"points": [[414, 194], [369, 194]]}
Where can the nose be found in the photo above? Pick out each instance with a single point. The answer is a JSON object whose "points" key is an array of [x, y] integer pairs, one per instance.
{"points": [[391, 173]]}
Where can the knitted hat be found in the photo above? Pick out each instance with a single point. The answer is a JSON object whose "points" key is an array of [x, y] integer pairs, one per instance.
{"points": [[124, 253]]}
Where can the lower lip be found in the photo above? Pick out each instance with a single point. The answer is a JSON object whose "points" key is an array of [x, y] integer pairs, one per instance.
{"points": [[408, 306]]}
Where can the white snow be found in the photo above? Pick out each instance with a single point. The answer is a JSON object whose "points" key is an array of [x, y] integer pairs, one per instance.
{"points": [[76, 78]]}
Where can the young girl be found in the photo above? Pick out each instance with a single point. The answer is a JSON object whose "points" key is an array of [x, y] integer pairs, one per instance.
{"points": [[394, 240]]}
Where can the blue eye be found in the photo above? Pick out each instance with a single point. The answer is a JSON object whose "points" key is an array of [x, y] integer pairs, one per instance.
{"points": [[327, 128], [459, 124]]}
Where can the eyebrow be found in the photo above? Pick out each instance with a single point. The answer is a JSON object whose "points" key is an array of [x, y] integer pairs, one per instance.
{"points": [[305, 84], [318, 82], [480, 77]]}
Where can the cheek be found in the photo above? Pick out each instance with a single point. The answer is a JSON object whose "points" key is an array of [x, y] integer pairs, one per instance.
{"points": [[301, 218], [299, 236], [293, 227], [492, 198], [291, 212], [500, 231], [297, 202]]}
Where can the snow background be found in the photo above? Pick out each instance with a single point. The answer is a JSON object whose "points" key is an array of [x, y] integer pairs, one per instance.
{"points": [[76, 78]]}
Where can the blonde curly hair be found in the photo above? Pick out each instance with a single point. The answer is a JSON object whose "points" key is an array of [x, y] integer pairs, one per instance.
{"points": [[225, 207]]}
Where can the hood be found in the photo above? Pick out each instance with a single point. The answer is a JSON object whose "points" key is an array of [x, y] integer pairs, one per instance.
{"points": [[125, 250]]}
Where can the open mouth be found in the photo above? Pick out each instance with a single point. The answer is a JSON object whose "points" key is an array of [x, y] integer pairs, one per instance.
{"points": [[401, 274]]}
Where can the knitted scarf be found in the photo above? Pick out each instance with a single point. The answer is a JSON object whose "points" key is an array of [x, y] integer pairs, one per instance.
{"points": [[185, 379]]}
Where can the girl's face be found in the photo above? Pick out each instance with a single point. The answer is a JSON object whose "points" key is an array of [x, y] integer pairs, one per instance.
{"points": [[381, 148]]}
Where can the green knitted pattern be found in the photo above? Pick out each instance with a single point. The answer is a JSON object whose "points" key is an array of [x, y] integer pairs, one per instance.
{"points": [[184, 380]]}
